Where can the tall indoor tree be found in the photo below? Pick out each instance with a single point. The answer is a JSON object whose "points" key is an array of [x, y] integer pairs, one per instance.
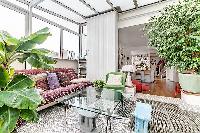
{"points": [[175, 34], [18, 97]]}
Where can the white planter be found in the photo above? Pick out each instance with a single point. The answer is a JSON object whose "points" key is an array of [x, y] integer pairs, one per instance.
{"points": [[190, 99]]}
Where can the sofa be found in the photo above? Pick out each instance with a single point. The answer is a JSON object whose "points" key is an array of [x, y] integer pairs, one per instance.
{"points": [[65, 90]]}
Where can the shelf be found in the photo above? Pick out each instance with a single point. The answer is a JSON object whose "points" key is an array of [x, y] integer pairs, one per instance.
{"points": [[65, 59]]}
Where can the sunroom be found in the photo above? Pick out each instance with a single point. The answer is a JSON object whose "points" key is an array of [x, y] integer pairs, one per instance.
{"points": [[99, 66]]}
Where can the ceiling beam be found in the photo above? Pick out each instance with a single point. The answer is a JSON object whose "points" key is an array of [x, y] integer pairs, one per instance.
{"points": [[89, 6], [34, 3], [111, 5], [135, 3], [139, 7], [68, 8], [50, 12]]}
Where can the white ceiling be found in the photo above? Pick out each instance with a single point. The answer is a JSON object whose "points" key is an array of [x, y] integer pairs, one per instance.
{"points": [[91, 7], [77, 11]]}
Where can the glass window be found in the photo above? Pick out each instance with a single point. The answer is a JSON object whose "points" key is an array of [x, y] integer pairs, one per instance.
{"points": [[65, 23], [84, 46], [71, 43], [16, 28], [84, 41], [16, 2], [53, 42], [85, 30]]}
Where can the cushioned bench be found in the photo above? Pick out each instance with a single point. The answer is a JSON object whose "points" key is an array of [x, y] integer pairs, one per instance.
{"points": [[66, 89]]}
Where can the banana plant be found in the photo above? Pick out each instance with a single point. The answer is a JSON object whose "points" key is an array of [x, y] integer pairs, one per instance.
{"points": [[18, 96]]}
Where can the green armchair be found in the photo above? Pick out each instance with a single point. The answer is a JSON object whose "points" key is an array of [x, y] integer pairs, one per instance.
{"points": [[118, 88]]}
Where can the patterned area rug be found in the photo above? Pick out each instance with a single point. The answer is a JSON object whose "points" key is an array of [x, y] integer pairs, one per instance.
{"points": [[167, 117]]}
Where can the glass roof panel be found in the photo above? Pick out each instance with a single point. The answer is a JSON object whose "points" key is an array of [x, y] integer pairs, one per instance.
{"points": [[78, 6], [99, 5], [59, 21], [18, 3], [145, 2], [124, 4], [47, 4]]}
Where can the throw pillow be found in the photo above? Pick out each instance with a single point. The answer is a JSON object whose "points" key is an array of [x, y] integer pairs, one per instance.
{"points": [[63, 79], [79, 80], [42, 84], [38, 76], [114, 79], [53, 81]]}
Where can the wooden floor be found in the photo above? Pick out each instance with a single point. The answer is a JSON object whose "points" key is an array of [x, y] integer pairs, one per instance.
{"points": [[161, 87]]}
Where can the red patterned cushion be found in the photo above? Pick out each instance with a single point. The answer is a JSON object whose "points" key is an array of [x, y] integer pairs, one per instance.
{"points": [[63, 79], [51, 95], [30, 71], [42, 84]]}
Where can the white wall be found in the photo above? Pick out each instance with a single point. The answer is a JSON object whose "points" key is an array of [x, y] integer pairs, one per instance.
{"points": [[142, 15]]}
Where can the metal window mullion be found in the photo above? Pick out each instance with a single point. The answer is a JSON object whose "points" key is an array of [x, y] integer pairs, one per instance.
{"points": [[50, 12], [61, 43], [80, 40]]}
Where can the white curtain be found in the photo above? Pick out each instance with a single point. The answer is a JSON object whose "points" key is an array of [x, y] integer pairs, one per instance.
{"points": [[102, 45]]}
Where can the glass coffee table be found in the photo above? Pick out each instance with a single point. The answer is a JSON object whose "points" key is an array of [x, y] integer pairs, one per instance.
{"points": [[91, 103]]}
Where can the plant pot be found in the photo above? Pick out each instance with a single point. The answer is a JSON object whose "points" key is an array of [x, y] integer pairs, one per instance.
{"points": [[98, 89], [190, 82]]}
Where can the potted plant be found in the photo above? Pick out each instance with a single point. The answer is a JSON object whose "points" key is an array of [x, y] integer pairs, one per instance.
{"points": [[175, 34], [99, 84], [18, 97]]}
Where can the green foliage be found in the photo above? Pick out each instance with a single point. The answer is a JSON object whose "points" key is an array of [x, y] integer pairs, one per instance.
{"points": [[18, 97], [99, 83], [176, 35]]}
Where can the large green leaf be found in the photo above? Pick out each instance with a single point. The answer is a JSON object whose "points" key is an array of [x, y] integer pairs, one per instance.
{"points": [[24, 57], [1, 104], [38, 62], [8, 119], [20, 82], [4, 77], [21, 99], [41, 51], [29, 42], [29, 115], [9, 42]]}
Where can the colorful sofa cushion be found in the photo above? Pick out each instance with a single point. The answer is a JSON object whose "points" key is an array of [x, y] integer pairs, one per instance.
{"points": [[63, 79], [53, 81], [79, 80], [51, 95], [42, 84], [63, 90]]}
